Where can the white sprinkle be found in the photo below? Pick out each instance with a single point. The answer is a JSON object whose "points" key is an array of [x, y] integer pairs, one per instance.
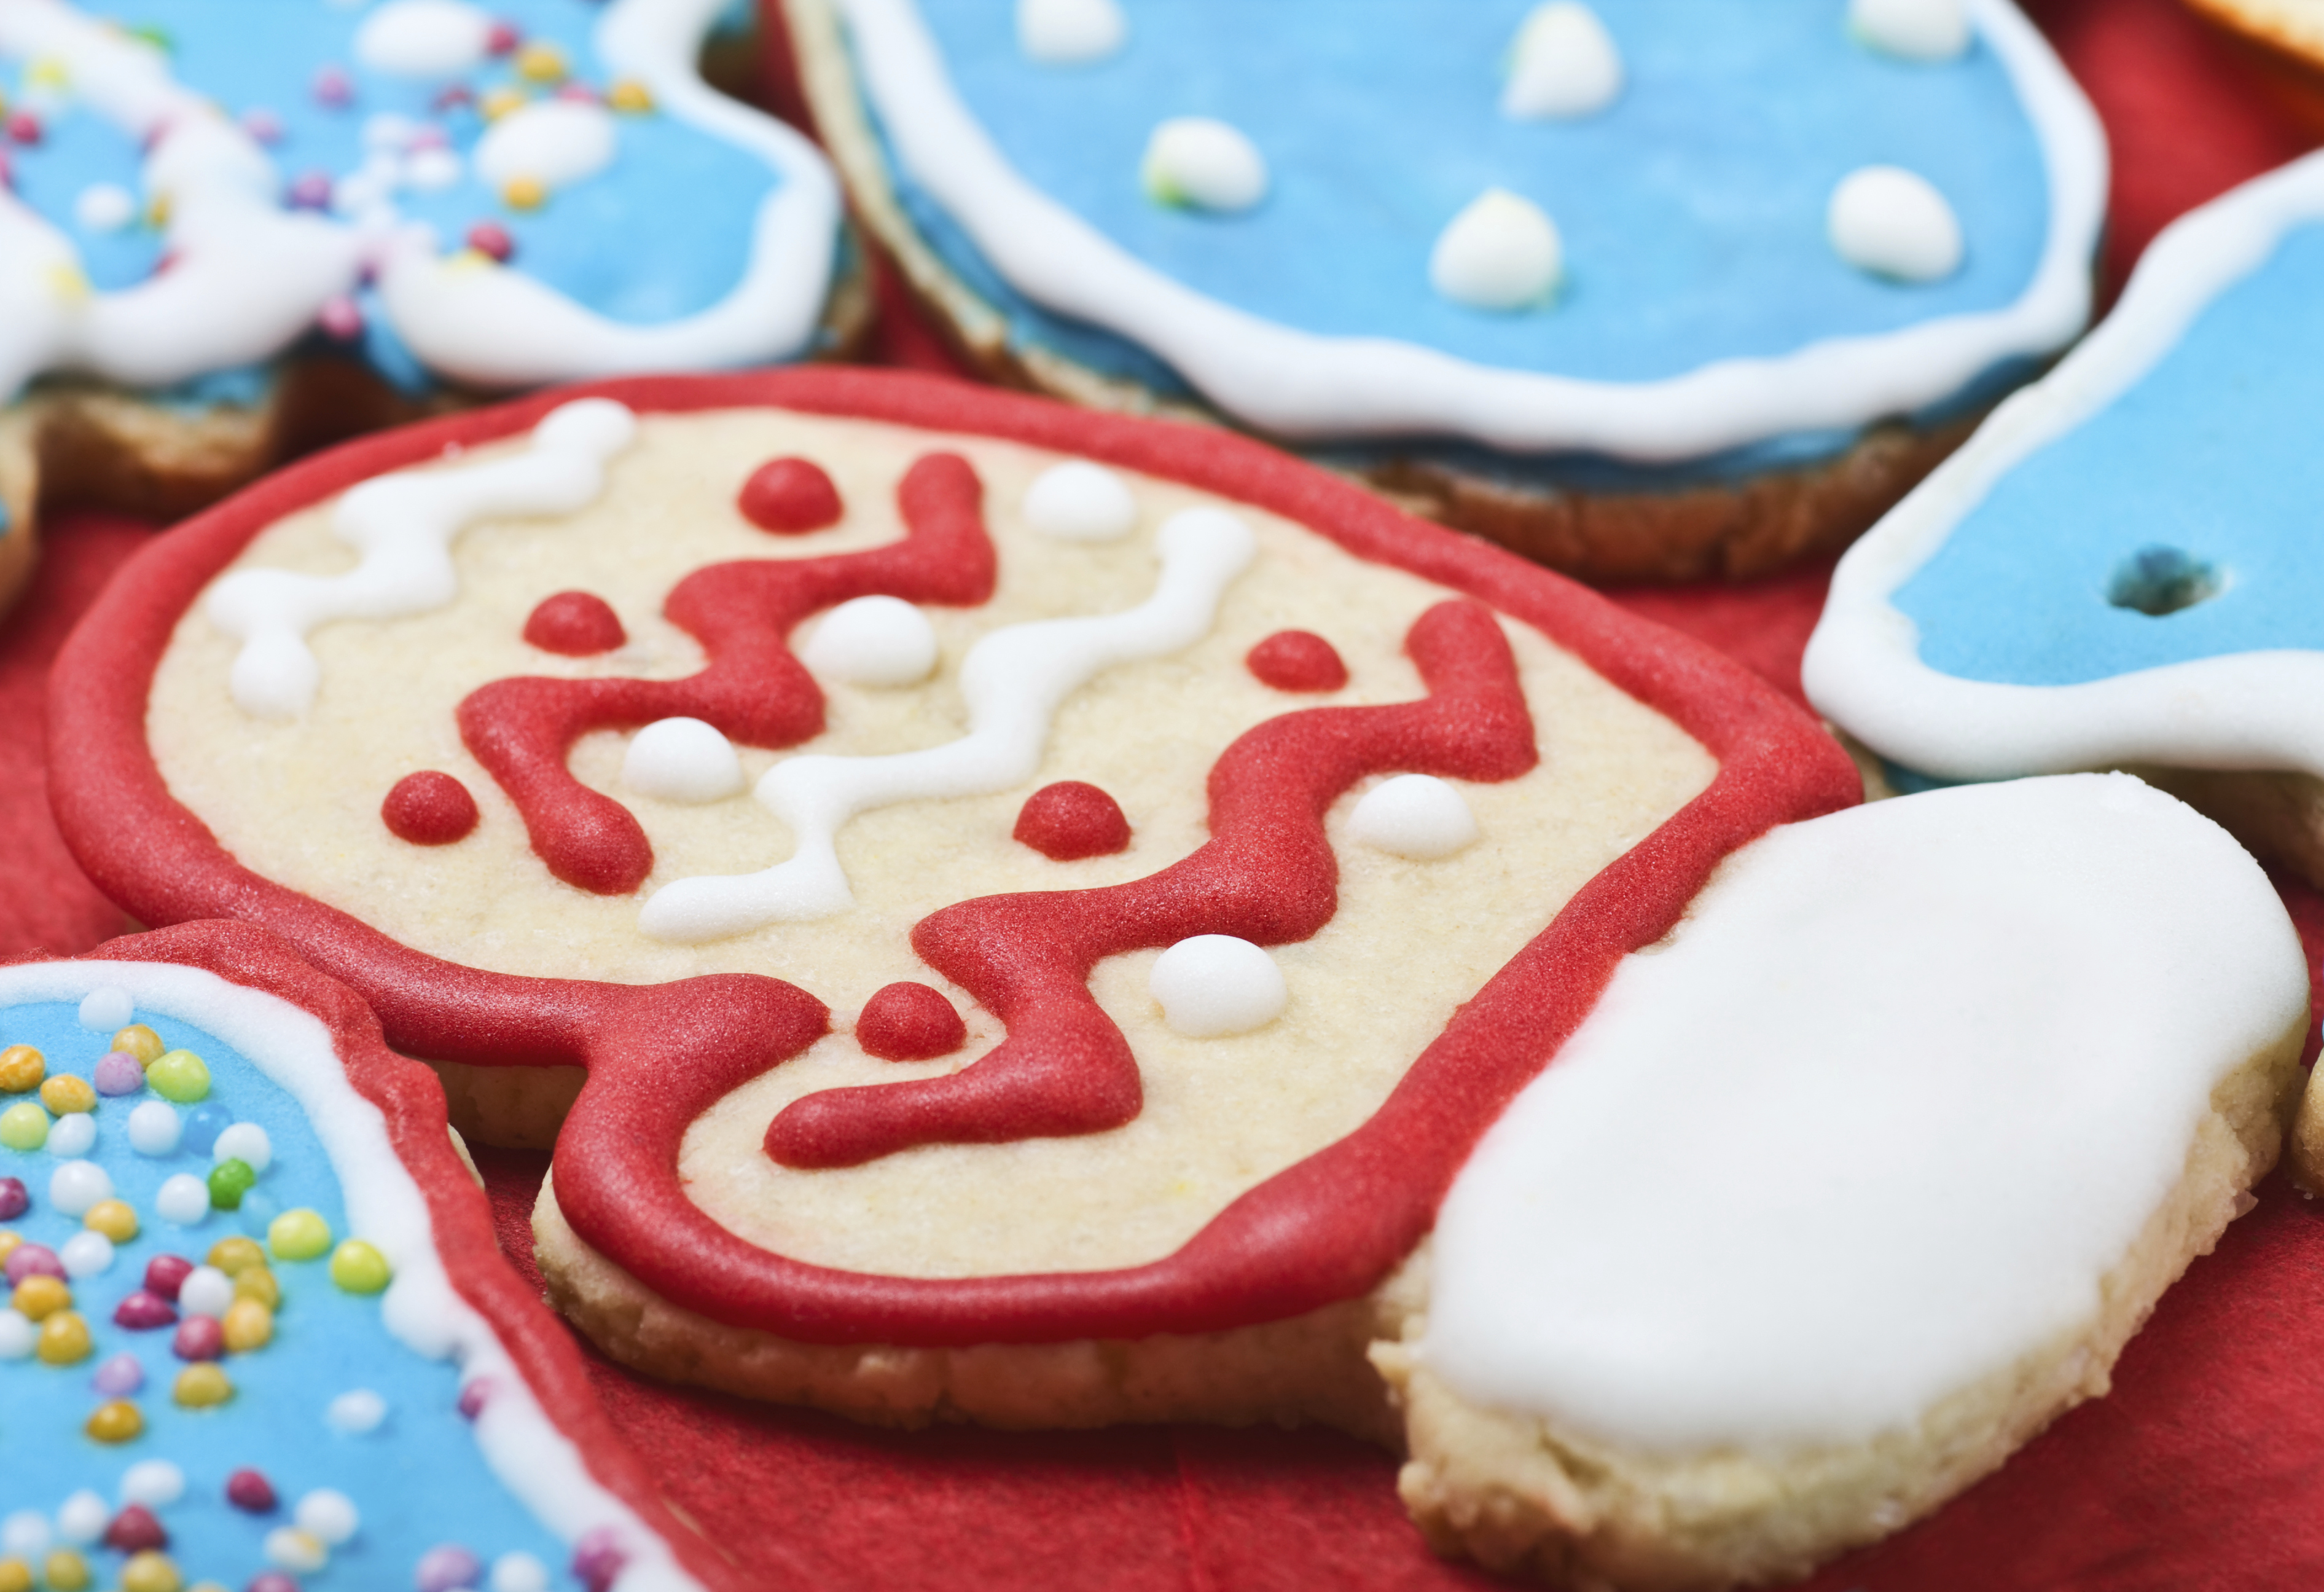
{"points": [[1214, 985], [1203, 164], [352, 1414], [519, 1572], [390, 132], [25, 1533], [182, 1200], [432, 169], [290, 1548], [1916, 30], [1502, 252], [76, 1185], [17, 1335], [83, 1517], [1563, 65], [154, 1483], [1078, 501], [206, 1291], [327, 1516], [1892, 222], [154, 1128], [424, 38], [1068, 32], [873, 641], [109, 1007], [1418, 815], [682, 760], [74, 1135], [86, 1254], [247, 1142], [554, 142], [105, 206]]}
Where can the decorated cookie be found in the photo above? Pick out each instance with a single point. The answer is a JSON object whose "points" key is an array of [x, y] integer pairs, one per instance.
{"points": [[229, 228], [1045, 906], [256, 1331], [1640, 290]]}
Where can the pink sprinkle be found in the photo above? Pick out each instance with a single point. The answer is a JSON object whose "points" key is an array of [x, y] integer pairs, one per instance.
{"points": [[199, 1337], [597, 1559], [136, 1530], [311, 191], [428, 135], [474, 1395], [166, 1274], [143, 1311], [119, 1377], [263, 125], [492, 239], [271, 1581], [117, 1073], [581, 92], [7, 171], [24, 127], [334, 88], [341, 318], [447, 1567], [14, 1201], [504, 39], [452, 96], [250, 1492], [32, 1260]]}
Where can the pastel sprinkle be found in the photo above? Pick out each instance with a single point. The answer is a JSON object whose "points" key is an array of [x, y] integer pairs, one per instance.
{"points": [[65, 1094], [23, 1126], [14, 1200], [83, 1517], [38, 1298], [229, 1181], [289, 1548], [77, 1185], [140, 1041], [17, 1334], [202, 1386], [447, 1567], [86, 1254], [15, 1575], [106, 1006], [118, 1073], [199, 1338], [119, 1377], [25, 1260], [257, 1283], [64, 1340], [354, 1414], [206, 1291], [149, 1572], [155, 1483], [25, 1535], [21, 1068], [249, 1490], [358, 1267], [247, 1142], [234, 1256], [116, 1218], [298, 1235], [66, 1571], [597, 1559], [204, 1124], [540, 63], [143, 1311], [166, 1274], [181, 1076], [153, 1125], [519, 1572], [74, 1136], [327, 1516], [248, 1326], [134, 1530], [182, 1200]]}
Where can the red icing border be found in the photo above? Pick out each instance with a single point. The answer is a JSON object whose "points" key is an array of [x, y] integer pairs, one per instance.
{"points": [[1326, 1229], [411, 1101]]}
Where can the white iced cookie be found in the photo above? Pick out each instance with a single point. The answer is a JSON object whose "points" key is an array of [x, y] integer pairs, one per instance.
{"points": [[1502, 252], [1893, 223], [1563, 65], [1913, 1116], [1203, 164], [1912, 30]]}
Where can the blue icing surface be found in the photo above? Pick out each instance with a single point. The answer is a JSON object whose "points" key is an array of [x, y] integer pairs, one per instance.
{"points": [[663, 232], [2212, 455], [418, 1480], [1693, 210]]}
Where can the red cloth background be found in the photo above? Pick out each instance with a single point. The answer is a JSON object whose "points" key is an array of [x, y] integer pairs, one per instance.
{"points": [[2203, 1470]]}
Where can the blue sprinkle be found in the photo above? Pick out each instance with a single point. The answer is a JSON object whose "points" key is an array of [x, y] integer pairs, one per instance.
{"points": [[204, 1124]]}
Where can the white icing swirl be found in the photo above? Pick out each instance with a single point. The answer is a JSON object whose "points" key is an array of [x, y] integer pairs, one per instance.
{"points": [[1893, 223], [1013, 681], [1202, 162], [1563, 65], [1502, 252]]}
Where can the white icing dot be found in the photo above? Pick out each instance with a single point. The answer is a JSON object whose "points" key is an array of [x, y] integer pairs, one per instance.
{"points": [[154, 1483], [105, 206], [74, 1135], [1078, 501], [327, 1516], [1065, 33], [86, 1254], [874, 641], [247, 1142], [1917, 30], [107, 1009], [355, 1414], [274, 675], [682, 760], [424, 38], [182, 1200], [83, 1518], [519, 1572], [206, 1291], [1891, 222], [1204, 163], [1563, 64], [1214, 985], [76, 1185], [154, 1128], [554, 142], [1418, 815], [290, 1548], [431, 169], [1502, 252], [25, 1533], [17, 1335]]}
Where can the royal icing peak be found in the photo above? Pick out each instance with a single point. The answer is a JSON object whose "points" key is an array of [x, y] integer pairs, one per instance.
{"points": [[404, 524], [1014, 680], [1902, 1167]]}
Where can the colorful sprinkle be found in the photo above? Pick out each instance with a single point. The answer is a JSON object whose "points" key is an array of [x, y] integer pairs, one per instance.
{"points": [[249, 1490], [29, 1260], [83, 1517], [598, 1558], [11, 1241], [117, 1072], [234, 1256], [134, 1530], [23, 1126], [257, 1283], [525, 193], [341, 318], [182, 1200], [65, 1094], [329, 1516], [248, 1326], [66, 1571], [355, 1412], [17, 1335], [630, 96], [503, 39], [149, 1572], [154, 1127], [21, 1068], [141, 1311], [245, 1142], [86, 1254], [73, 1135], [500, 102], [77, 1186], [358, 1267], [290, 1548], [116, 1218], [15, 1576], [206, 1291], [202, 1386], [519, 1572], [140, 1041], [204, 1124], [166, 1274], [541, 62], [334, 88], [199, 1337], [119, 1378], [298, 1235], [14, 1201], [492, 240], [229, 1181], [181, 1076], [155, 1483], [447, 1567], [39, 1297], [64, 1340]]}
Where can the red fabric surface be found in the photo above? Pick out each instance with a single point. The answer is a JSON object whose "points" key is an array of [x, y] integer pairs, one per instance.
{"points": [[2202, 1472]]}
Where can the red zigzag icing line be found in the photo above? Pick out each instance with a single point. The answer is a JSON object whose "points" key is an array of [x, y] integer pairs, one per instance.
{"points": [[753, 691], [1267, 874]]}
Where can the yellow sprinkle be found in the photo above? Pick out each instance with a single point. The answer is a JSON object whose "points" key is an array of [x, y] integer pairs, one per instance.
{"points": [[67, 1571], [525, 193], [116, 1423], [499, 102], [63, 1340], [23, 1126], [157, 217], [248, 1325], [139, 1041], [358, 1267], [39, 1297], [540, 62], [21, 1068], [149, 1572], [630, 96], [116, 1218], [49, 72], [301, 1235], [234, 1256], [200, 1386], [469, 260], [15, 1574], [65, 1093], [10, 1241], [258, 1282]]}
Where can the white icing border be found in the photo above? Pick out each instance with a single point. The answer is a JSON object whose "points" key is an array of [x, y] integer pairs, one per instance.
{"points": [[1303, 385], [2255, 709], [292, 1048]]}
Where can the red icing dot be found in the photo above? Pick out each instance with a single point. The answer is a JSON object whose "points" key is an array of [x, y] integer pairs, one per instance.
{"points": [[1069, 820], [1297, 661], [429, 808], [574, 625], [909, 1023], [789, 495]]}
